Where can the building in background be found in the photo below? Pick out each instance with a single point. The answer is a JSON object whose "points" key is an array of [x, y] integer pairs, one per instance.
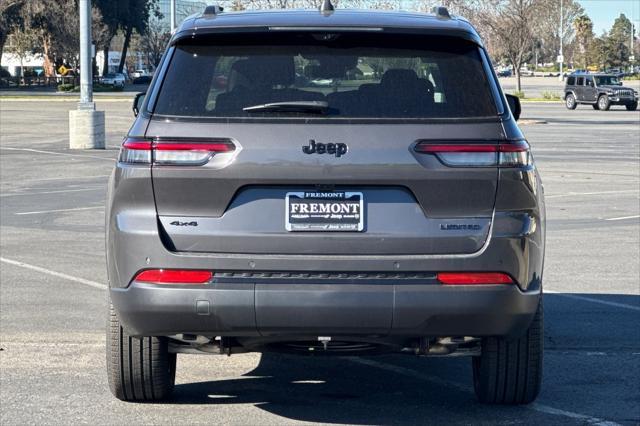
{"points": [[29, 65]]}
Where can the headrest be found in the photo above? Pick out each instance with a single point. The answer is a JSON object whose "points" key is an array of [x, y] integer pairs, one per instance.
{"points": [[332, 66], [399, 77], [265, 71]]}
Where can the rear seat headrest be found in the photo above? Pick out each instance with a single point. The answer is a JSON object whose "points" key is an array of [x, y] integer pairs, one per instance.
{"points": [[397, 77], [265, 71]]}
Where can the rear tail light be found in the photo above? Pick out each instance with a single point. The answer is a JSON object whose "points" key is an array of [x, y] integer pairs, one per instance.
{"points": [[513, 154], [179, 153], [473, 278], [174, 276], [135, 151]]}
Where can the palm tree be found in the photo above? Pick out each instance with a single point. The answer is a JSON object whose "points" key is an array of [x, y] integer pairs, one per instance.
{"points": [[584, 36]]}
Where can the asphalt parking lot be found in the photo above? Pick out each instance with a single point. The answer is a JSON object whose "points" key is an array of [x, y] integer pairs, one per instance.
{"points": [[535, 87], [53, 300]]}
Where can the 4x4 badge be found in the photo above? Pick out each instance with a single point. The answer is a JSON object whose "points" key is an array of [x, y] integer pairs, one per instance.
{"points": [[179, 223], [337, 149]]}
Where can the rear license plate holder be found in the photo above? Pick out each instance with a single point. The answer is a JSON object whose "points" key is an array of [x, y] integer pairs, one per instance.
{"points": [[324, 211]]}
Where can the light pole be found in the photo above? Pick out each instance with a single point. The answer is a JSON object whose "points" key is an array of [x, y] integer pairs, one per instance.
{"points": [[172, 10], [86, 83], [632, 57], [560, 33], [86, 125]]}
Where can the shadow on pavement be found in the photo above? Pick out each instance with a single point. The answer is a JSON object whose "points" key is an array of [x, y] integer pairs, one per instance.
{"points": [[385, 390]]}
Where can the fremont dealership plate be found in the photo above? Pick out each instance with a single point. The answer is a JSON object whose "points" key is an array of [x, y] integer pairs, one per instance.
{"points": [[324, 211]]}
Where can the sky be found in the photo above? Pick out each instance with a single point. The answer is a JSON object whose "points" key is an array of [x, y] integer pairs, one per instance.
{"points": [[604, 12]]}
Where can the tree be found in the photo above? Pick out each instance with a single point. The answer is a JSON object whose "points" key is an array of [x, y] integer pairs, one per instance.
{"points": [[154, 41], [546, 27], [126, 16], [279, 4], [137, 19], [510, 24], [237, 5], [617, 43], [113, 13], [22, 43], [584, 39], [598, 51], [10, 19], [52, 28]]}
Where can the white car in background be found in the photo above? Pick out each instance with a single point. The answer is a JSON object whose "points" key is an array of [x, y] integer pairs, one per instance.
{"points": [[114, 79], [140, 73]]}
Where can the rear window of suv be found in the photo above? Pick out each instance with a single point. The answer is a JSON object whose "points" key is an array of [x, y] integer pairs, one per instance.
{"points": [[354, 76]]}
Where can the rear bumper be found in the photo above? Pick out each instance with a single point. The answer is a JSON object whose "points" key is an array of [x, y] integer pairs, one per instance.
{"points": [[311, 309]]}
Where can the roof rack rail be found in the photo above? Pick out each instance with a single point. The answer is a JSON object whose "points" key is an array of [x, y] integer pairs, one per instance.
{"points": [[213, 10], [441, 12], [327, 6]]}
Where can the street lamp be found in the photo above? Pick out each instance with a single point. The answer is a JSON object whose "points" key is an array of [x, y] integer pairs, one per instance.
{"points": [[632, 57], [172, 11], [560, 33], [86, 125]]}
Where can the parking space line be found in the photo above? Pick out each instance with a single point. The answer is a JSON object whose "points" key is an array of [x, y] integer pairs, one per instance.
{"points": [[593, 300], [624, 217], [438, 381], [585, 172], [50, 192], [57, 153], [59, 210], [89, 283], [572, 194], [73, 178]]}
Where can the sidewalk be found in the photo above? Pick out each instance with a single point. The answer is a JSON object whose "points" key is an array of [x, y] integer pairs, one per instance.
{"points": [[129, 92]]}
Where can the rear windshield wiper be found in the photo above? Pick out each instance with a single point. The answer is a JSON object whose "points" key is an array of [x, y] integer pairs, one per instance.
{"points": [[315, 107]]}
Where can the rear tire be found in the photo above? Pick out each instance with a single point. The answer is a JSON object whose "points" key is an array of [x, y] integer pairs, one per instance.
{"points": [[509, 371], [570, 101], [138, 369], [604, 103], [632, 107]]}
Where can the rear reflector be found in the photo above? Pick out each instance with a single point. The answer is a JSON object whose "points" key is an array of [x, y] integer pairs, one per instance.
{"points": [[178, 152], [471, 278], [513, 154], [174, 276]]}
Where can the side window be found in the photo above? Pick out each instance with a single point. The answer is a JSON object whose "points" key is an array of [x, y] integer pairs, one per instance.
{"points": [[571, 81], [580, 81], [589, 81]]}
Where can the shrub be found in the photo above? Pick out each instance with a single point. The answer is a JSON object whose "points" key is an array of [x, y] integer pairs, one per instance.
{"points": [[99, 87], [519, 94], [66, 87], [551, 96]]}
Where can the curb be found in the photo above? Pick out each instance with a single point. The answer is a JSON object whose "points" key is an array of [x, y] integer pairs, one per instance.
{"points": [[528, 122], [61, 99]]}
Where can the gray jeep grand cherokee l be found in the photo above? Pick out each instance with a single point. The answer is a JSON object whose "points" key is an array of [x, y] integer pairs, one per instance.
{"points": [[320, 182]]}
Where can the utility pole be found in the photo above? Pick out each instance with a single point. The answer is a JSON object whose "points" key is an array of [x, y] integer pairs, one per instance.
{"points": [[172, 7], [86, 125], [86, 82], [560, 33], [632, 57]]}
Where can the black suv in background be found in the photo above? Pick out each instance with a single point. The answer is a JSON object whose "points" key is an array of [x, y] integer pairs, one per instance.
{"points": [[599, 90]]}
